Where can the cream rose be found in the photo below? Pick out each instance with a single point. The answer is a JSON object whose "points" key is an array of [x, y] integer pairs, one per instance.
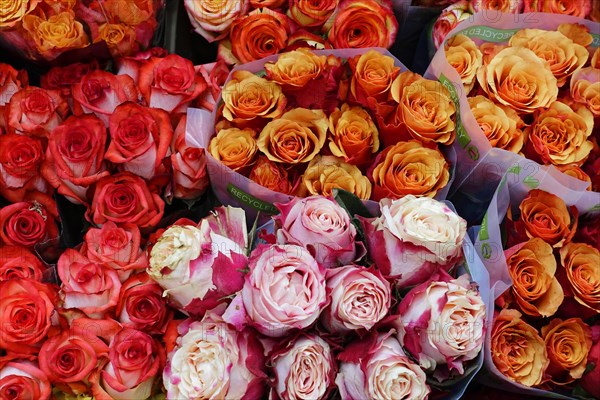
{"points": [[212, 18]]}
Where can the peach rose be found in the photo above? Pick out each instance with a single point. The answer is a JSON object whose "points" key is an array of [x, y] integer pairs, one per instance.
{"points": [[585, 88], [325, 173], [296, 137], [500, 124], [131, 12], [409, 168], [354, 135], [568, 344], [465, 57], [212, 18], [576, 172], [595, 63], [489, 51], [517, 349], [578, 33], [234, 147], [56, 34], [532, 267], [506, 6], [581, 265], [13, 11], [562, 55], [119, 38], [271, 176], [246, 97], [576, 8], [312, 13], [518, 78], [372, 75], [547, 217], [559, 134], [296, 68]]}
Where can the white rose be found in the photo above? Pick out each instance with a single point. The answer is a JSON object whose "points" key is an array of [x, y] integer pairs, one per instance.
{"points": [[212, 18]]}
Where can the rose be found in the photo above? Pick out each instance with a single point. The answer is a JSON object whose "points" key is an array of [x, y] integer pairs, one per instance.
{"points": [[23, 380], [532, 268], [595, 61], [302, 38], [372, 75], [354, 135], [325, 173], [568, 344], [577, 8], [246, 97], [235, 148], [141, 305], [62, 78], [213, 361], [489, 51], [11, 81], [320, 225], [212, 18], [19, 263], [378, 368], [296, 68], [13, 12], [559, 134], [546, 216], [20, 159], [100, 92], [465, 57], [311, 14], [74, 159], [270, 175], [517, 349], [585, 89], [578, 33], [131, 65], [368, 23], [35, 111], [189, 174], [442, 323], [304, 368], [116, 247], [506, 6], [500, 124], [28, 313], [450, 17], [273, 4], [528, 85], [259, 34], [56, 33], [409, 168], [131, 13], [119, 38], [581, 265], [576, 172], [589, 381], [125, 198], [425, 108], [284, 289], [200, 267], [29, 222], [296, 137], [90, 287], [134, 361], [360, 298], [414, 237]]}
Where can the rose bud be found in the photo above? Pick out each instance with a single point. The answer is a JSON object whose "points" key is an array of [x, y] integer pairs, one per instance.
{"points": [[34, 111], [322, 226], [213, 361], [360, 298], [414, 237], [141, 305], [29, 222], [585, 89], [465, 57], [589, 381], [576, 8], [199, 267], [517, 349], [304, 368], [23, 380], [19, 263], [580, 262], [212, 18], [448, 20], [377, 368], [20, 160], [325, 173], [25, 297]]}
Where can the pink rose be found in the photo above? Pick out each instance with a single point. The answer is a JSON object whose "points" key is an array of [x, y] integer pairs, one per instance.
{"points": [[23, 380], [130, 65], [35, 111], [322, 226], [413, 238], [19, 263], [448, 20]]}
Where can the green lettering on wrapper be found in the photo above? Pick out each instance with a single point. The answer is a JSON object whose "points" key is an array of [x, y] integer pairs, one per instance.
{"points": [[483, 231], [531, 182], [489, 34], [250, 200]]}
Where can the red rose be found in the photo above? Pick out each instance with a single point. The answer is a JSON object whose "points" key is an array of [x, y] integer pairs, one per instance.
{"points": [[141, 305], [29, 222], [131, 65], [74, 156], [11, 81], [100, 92], [140, 139], [62, 78], [28, 308], [88, 286], [20, 159], [590, 378], [125, 198], [19, 263], [23, 380], [35, 111]]}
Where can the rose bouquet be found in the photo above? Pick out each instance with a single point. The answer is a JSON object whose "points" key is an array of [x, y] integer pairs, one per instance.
{"points": [[248, 30], [44, 30]]}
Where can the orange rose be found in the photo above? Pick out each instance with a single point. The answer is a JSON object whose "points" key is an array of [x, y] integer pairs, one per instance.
{"points": [[130, 12], [489, 51], [409, 168], [35, 111], [518, 78], [576, 172], [578, 33], [296, 68], [246, 97], [56, 34], [547, 217], [568, 344], [259, 34], [267, 3], [576, 8], [585, 88], [234, 147], [581, 265], [506, 6], [13, 11], [296, 137], [271, 176], [500, 124], [559, 134], [562, 55], [532, 268], [325, 173], [464, 56], [354, 135], [517, 349], [119, 38], [372, 75], [312, 13]]}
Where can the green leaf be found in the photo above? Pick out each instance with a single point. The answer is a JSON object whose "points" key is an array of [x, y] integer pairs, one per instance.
{"points": [[252, 235], [351, 203], [581, 393]]}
